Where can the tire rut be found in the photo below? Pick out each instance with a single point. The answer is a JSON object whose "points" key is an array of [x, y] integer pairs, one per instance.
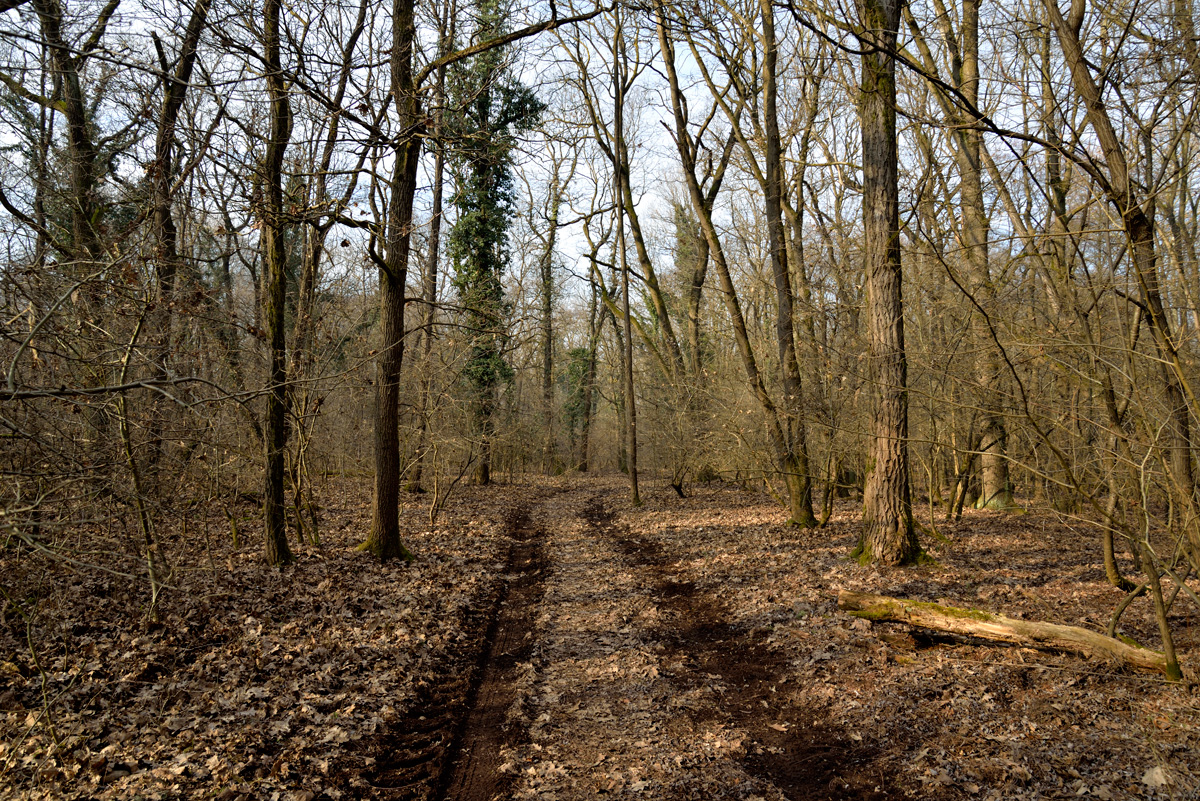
{"points": [[447, 746], [789, 747]]}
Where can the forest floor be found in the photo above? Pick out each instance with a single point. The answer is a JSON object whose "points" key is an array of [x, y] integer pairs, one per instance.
{"points": [[552, 643]]}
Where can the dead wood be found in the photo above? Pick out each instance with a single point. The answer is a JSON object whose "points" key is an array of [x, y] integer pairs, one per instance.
{"points": [[988, 626]]}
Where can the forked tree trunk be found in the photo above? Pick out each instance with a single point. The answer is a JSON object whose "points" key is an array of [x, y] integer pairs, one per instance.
{"points": [[1140, 234], [795, 460], [167, 260]]}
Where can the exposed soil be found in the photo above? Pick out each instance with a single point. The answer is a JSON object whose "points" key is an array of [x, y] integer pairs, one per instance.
{"points": [[789, 748], [552, 643], [447, 744]]}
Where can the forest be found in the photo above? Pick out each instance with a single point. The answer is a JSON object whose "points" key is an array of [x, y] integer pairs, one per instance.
{"points": [[474, 399]]}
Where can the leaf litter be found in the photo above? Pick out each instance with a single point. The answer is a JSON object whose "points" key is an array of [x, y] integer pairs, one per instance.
{"points": [[689, 648]]}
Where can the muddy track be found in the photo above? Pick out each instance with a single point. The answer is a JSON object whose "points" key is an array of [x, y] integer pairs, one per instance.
{"points": [[447, 746], [790, 747]]}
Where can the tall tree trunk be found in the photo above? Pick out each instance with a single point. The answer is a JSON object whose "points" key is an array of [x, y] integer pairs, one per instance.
{"points": [[83, 252], [794, 211], [996, 489], [430, 277], [887, 534], [304, 398], [166, 234], [795, 461], [46, 118], [703, 206], [384, 539], [429, 296], [167, 260], [274, 258], [546, 296], [624, 205]]}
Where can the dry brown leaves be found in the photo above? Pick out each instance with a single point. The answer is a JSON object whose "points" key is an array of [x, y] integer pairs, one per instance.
{"points": [[254, 682], [687, 649]]}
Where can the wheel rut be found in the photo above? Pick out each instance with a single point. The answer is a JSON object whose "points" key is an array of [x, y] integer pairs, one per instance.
{"points": [[447, 746], [789, 748]]}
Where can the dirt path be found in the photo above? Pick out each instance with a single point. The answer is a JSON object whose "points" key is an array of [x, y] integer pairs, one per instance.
{"points": [[552, 643], [644, 686], [666, 654], [597, 668], [474, 761], [786, 748], [447, 745]]}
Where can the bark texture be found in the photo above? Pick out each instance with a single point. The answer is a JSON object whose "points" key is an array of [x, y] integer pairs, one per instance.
{"points": [[888, 535], [987, 626], [384, 540], [275, 266]]}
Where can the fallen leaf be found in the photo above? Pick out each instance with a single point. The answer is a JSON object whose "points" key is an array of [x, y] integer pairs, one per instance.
{"points": [[1155, 777]]}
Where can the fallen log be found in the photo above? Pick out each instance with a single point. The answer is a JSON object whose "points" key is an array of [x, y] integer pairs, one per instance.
{"points": [[988, 626]]}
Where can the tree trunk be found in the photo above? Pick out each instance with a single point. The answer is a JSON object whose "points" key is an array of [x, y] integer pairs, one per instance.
{"points": [[429, 295], [887, 534], [384, 539], [85, 244], [1140, 235], [275, 269], [483, 409], [795, 461], [996, 489], [430, 277], [624, 203], [702, 207], [546, 296], [167, 261]]}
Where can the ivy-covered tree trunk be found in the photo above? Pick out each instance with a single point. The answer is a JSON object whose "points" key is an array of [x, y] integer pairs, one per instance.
{"points": [[494, 106]]}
